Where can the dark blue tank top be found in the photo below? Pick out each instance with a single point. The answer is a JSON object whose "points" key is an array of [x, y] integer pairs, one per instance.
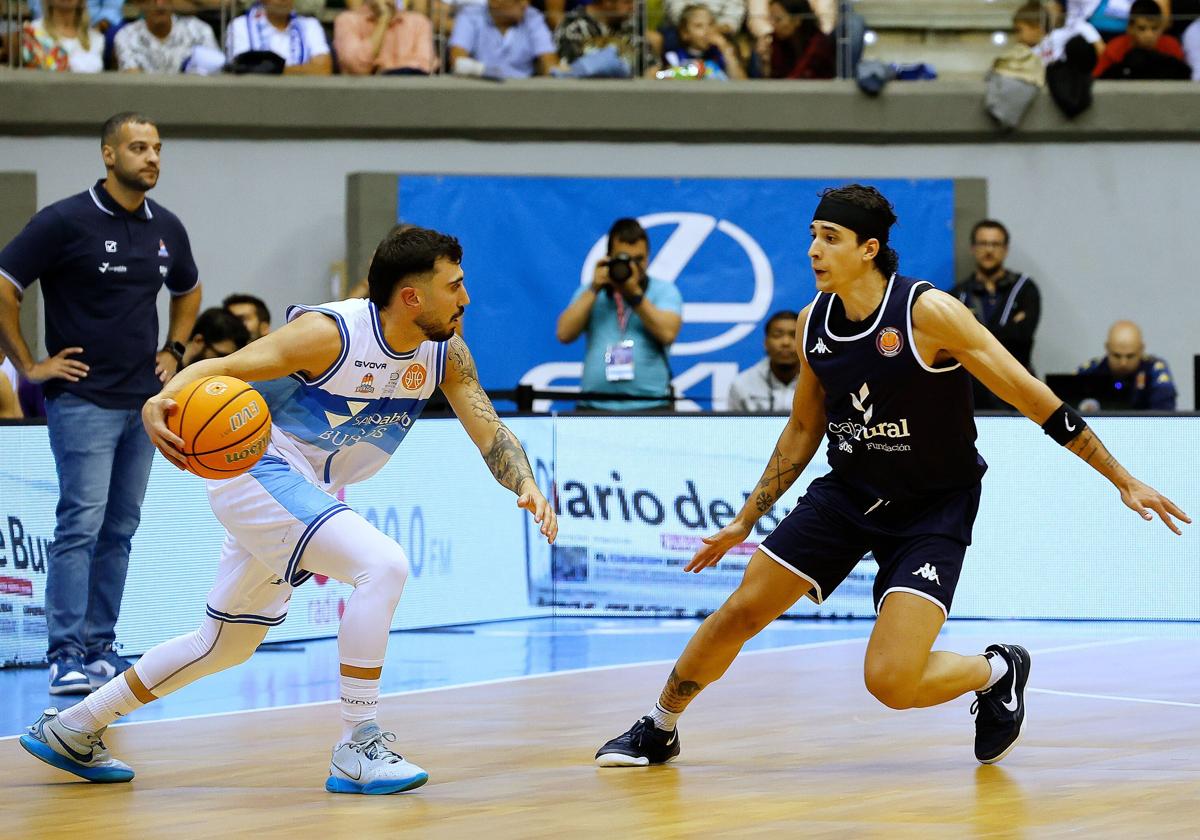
{"points": [[897, 428]]}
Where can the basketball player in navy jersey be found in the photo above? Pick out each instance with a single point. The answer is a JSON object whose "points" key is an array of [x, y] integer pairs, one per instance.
{"points": [[884, 376], [345, 382]]}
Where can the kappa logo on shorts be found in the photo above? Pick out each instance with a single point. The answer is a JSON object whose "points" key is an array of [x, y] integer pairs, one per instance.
{"points": [[929, 573], [889, 342], [414, 377]]}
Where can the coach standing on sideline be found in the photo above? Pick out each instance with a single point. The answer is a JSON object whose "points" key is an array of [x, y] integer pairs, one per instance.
{"points": [[102, 257]]}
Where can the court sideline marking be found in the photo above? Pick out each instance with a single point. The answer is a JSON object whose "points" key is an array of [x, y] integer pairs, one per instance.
{"points": [[660, 662]]}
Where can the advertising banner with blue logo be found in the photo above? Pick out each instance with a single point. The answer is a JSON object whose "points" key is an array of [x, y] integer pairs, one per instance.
{"points": [[735, 248]]}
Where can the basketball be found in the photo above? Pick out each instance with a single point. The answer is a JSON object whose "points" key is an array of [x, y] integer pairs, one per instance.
{"points": [[225, 425]]}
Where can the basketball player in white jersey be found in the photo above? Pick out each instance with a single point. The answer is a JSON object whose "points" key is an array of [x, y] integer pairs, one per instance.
{"points": [[344, 382]]}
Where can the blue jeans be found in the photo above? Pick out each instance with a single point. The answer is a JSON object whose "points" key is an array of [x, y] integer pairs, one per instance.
{"points": [[103, 458]]}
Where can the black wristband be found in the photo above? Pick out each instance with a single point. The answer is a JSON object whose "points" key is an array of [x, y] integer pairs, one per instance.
{"points": [[175, 348], [1064, 424]]}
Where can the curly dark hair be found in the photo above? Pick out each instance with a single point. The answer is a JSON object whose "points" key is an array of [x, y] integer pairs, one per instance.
{"points": [[869, 198]]}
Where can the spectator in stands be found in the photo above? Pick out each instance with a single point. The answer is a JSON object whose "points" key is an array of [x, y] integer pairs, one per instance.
{"points": [[1132, 374], [770, 384], [507, 39], [163, 42], [63, 40], [1031, 21], [1110, 17], [217, 333], [697, 39], [729, 15], [600, 24], [1144, 51], [797, 48], [1191, 48], [1005, 302], [252, 311], [273, 26], [10, 406], [631, 320], [379, 38], [103, 13]]}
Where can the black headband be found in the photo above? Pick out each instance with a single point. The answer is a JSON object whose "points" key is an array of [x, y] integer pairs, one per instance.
{"points": [[869, 224]]}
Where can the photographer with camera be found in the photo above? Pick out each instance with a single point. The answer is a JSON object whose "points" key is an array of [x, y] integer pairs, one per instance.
{"points": [[630, 320]]}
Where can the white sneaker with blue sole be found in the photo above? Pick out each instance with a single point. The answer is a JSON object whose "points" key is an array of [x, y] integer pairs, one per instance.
{"points": [[81, 753], [365, 764]]}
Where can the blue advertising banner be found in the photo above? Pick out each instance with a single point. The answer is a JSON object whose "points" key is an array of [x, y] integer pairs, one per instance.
{"points": [[735, 248]]}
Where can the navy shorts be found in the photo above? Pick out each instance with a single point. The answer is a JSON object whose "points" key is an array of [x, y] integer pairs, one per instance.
{"points": [[919, 543]]}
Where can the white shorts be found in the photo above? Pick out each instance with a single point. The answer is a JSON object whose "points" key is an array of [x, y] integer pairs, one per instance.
{"points": [[272, 514]]}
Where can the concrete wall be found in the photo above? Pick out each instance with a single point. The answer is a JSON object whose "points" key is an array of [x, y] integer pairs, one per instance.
{"points": [[1104, 227]]}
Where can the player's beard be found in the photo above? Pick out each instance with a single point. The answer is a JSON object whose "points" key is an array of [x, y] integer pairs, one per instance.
{"points": [[434, 330], [135, 180]]}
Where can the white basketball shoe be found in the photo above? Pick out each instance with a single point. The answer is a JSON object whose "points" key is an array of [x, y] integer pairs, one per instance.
{"points": [[365, 764]]}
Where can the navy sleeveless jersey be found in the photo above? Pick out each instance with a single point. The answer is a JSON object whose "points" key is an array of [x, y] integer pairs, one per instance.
{"points": [[897, 428]]}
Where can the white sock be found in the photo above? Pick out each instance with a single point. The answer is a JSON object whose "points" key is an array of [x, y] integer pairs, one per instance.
{"points": [[999, 669], [663, 719], [112, 700], [360, 702]]}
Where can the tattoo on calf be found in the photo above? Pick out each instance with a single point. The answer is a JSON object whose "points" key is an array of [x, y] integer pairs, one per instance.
{"points": [[677, 693]]}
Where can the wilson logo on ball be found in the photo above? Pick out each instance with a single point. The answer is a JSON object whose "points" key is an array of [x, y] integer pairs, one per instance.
{"points": [[413, 378], [889, 341], [250, 451]]}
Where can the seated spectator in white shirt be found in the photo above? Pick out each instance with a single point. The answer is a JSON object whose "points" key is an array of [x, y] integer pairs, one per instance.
{"points": [[161, 41], [771, 384], [273, 26], [729, 14], [63, 40]]}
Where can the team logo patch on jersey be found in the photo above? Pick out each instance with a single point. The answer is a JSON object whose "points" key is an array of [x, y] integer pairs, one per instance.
{"points": [[414, 378], [162, 249], [367, 386], [889, 342], [215, 389]]}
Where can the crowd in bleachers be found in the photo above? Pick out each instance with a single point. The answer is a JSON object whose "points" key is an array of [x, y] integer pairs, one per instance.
{"points": [[501, 39]]}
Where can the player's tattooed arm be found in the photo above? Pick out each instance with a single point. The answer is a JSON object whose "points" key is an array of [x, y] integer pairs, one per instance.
{"points": [[501, 450], [780, 474], [1093, 452]]}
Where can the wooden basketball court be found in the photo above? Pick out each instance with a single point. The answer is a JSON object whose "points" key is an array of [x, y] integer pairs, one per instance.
{"points": [[788, 745]]}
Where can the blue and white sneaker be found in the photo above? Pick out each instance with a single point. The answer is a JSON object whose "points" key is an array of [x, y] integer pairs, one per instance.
{"points": [[365, 764], [102, 667], [81, 753], [68, 676]]}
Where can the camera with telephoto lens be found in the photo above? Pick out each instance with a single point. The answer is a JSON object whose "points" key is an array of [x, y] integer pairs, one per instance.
{"points": [[620, 267]]}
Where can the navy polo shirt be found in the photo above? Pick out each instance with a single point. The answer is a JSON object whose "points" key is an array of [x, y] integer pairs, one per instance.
{"points": [[101, 269]]}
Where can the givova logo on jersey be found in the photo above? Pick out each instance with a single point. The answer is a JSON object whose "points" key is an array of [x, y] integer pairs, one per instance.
{"points": [[864, 431]]}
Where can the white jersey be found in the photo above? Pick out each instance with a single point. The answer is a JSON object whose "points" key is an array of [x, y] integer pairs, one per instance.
{"points": [[346, 423]]}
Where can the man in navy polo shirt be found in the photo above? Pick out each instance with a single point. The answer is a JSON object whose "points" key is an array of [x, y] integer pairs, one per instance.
{"points": [[102, 257]]}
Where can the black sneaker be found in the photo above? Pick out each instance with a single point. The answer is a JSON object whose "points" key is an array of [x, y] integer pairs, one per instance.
{"points": [[643, 744], [1001, 709]]}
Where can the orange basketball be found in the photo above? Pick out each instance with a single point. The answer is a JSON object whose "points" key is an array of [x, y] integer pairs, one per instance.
{"points": [[225, 425]]}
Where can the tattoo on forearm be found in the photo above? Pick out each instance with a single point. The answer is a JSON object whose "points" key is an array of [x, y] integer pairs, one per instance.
{"points": [[779, 475], [468, 375], [506, 459], [1088, 447], [677, 693]]}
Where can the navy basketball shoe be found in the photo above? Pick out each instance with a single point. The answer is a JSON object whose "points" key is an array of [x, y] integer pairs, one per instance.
{"points": [[643, 744], [1000, 711]]}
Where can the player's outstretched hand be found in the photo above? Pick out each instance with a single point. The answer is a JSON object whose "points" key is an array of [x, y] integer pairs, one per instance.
{"points": [[715, 546], [1146, 501], [533, 501], [154, 418]]}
